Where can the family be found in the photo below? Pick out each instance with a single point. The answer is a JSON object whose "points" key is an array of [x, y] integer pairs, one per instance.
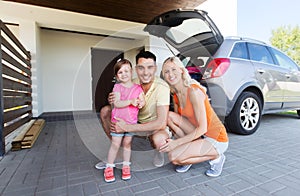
{"points": [[191, 134]]}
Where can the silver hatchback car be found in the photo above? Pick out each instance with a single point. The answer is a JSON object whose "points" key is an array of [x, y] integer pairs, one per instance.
{"points": [[245, 78]]}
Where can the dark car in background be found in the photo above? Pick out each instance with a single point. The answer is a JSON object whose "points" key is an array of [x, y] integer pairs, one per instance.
{"points": [[245, 78]]}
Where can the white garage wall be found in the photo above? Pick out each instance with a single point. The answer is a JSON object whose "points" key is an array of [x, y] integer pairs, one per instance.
{"points": [[61, 55], [66, 67]]}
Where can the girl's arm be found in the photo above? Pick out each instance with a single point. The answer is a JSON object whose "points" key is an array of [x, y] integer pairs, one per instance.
{"points": [[123, 103]]}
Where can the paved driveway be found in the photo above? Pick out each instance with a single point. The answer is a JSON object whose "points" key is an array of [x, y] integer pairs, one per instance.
{"points": [[265, 163]]}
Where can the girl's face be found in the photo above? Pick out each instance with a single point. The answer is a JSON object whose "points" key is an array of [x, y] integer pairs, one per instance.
{"points": [[172, 73], [124, 74]]}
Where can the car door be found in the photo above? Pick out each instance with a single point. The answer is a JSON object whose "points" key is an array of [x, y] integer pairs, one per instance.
{"points": [[270, 76], [189, 31], [292, 76]]}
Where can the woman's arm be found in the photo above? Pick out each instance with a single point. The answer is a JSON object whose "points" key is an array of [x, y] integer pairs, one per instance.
{"points": [[197, 98]]}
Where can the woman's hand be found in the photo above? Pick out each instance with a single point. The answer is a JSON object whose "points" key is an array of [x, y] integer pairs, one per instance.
{"points": [[168, 146]]}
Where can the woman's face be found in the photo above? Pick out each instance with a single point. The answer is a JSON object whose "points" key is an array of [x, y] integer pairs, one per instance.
{"points": [[125, 73], [172, 73]]}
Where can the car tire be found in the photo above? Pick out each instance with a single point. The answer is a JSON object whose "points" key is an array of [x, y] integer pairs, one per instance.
{"points": [[298, 112], [245, 116]]}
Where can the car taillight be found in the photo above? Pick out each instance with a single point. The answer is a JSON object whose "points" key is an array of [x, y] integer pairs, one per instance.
{"points": [[216, 68]]}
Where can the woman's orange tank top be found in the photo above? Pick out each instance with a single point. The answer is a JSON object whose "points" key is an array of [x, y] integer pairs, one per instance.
{"points": [[215, 128]]}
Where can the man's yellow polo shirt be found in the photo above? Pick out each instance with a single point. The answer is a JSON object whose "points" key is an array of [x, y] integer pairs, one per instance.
{"points": [[157, 95]]}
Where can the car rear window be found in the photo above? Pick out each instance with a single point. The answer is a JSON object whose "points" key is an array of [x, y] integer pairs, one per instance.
{"points": [[187, 29], [239, 51]]}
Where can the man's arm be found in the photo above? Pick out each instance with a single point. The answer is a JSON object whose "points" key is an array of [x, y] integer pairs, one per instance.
{"points": [[159, 123]]}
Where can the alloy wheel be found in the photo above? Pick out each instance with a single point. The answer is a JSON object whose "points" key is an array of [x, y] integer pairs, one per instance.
{"points": [[249, 113]]}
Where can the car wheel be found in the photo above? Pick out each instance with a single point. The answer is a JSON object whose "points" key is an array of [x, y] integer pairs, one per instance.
{"points": [[246, 114], [298, 112]]}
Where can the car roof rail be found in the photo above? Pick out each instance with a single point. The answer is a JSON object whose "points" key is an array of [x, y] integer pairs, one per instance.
{"points": [[246, 39]]}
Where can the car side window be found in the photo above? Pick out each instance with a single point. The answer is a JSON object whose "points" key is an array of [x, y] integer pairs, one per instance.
{"points": [[284, 61], [260, 53], [239, 51]]}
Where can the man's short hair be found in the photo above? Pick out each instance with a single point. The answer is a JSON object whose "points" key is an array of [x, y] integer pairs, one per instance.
{"points": [[146, 55]]}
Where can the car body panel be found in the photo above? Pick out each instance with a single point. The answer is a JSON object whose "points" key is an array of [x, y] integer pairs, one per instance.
{"points": [[257, 72]]}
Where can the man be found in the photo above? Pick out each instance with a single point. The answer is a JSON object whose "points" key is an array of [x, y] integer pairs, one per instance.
{"points": [[153, 116]]}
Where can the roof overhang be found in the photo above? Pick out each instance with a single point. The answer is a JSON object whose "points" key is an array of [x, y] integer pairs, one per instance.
{"points": [[128, 10]]}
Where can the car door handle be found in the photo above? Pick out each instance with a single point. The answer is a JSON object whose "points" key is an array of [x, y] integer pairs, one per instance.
{"points": [[288, 75], [261, 71]]}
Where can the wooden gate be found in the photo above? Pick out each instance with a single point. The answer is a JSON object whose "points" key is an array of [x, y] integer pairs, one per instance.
{"points": [[15, 85]]}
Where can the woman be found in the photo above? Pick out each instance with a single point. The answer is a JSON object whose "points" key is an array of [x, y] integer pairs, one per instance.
{"points": [[200, 135]]}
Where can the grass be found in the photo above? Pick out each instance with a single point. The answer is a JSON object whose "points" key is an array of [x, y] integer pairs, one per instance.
{"points": [[289, 112]]}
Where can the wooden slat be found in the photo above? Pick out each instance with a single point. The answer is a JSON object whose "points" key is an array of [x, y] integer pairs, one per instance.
{"points": [[15, 93], [32, 134], [14, 39], [10, 72], [8, 129], [11, 115], [15, 52], [13, 85], [16, 101], [14, 62], [17, 141]]}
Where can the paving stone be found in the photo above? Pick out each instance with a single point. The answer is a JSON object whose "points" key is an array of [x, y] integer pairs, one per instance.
{"points": [[90, 188], [272, 186], [166, 185], [204, 189], [154, 191], [144, 187], [239, 186], [62, 191], [125, 192], [60, 164], [286, 191], [26, 191], [75, 190]]}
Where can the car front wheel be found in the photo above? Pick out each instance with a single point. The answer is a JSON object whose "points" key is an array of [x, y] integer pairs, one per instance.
{"points": [[246, 115]]}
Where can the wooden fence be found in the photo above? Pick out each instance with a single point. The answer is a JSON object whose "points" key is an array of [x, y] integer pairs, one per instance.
{"points": [[15, 85]]}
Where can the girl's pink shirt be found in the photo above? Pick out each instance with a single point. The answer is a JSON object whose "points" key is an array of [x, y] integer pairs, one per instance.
{"points": [[129, 113]]}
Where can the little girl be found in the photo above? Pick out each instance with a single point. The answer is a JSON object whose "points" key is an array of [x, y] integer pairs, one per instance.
{"points": [[129, 98]]}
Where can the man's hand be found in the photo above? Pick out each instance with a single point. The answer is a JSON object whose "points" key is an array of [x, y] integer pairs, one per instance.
{"points": [[119, 126], [168, 146], [111, 98]]}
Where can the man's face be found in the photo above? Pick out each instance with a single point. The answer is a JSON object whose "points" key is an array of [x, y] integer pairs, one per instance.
{"points": [[145, 70]]}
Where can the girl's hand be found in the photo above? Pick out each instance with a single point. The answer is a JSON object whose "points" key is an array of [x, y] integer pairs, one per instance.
{"points": [[168, 146], [134, 102], [141, 103]]}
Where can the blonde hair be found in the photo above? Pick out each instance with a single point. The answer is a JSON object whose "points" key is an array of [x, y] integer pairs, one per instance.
{"points": [[187, 80]]}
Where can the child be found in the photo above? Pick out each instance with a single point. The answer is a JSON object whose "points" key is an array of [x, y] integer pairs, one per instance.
{"points": [[129, 98]]}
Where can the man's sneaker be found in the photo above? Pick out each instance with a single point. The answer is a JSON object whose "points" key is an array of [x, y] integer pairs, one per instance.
{"points": [[183, 168], [109, 174], [100, 165], [158, 160], [216, 168], [126, 172]]}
